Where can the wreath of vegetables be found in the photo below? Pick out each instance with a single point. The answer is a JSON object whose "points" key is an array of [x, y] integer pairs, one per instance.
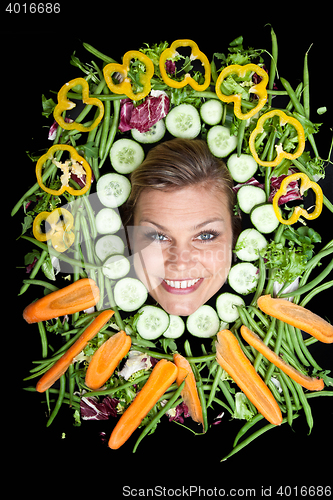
{"points": [[258, 364]]}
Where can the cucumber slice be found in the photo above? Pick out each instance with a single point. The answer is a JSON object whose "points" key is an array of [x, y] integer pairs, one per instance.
{"points": [[154, 134], [243, 278], [107, 245], [113, 189], [152, 323], [264, 219], [116, 267], [126, 155], [211, 112], [242, 167], [130, 294], [176, 327], [220, 142], [249, 244], [250, 196], [226, 306], [204, 322], [108, 221], [183, 121]]}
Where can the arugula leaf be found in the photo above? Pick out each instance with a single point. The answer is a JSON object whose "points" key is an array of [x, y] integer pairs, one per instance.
{"points": [[48, 106]]}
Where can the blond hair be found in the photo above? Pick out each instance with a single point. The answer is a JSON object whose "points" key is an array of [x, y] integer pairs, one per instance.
{"points": [[177, 164]]}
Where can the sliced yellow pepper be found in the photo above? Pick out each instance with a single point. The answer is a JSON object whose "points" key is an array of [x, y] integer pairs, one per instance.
{"points": [[125, 86], [306, 184], [259, 89], [65, 105], [58, 224], [171, 52], [77, 161], [284, 119]]}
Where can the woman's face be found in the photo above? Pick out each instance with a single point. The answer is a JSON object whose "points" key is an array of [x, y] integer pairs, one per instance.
{"points": [[182, 245]]}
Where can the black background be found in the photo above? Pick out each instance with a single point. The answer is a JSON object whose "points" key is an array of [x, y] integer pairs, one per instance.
{"points": [[36, 51]]}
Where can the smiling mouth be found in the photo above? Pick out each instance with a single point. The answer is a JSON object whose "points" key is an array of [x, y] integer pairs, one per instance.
{"points": [[181, 286], [182, 283]]}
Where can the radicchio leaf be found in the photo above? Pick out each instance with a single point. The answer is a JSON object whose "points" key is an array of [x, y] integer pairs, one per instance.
{"points": [[92, 409], [143, 117]]}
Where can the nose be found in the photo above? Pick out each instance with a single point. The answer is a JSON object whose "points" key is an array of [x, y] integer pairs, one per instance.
{"points": [[180, 258]]}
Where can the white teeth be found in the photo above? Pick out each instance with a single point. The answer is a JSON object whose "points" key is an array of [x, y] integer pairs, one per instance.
{"points": [[181, 284]]}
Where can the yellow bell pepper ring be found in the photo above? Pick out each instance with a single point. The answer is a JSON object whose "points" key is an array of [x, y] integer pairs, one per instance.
{"points": [[76, 165], [306, 184], [65, 105], [125, 86], [58, 224], [284, 119], [171, 52], [259, 89]]}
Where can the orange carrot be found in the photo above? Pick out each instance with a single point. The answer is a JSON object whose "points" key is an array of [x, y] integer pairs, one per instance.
{"points": [[232, 359], [162, 376], [297, 316], [313, 384], [78, 296], [189, 393], [63, 363], [106, 359]]}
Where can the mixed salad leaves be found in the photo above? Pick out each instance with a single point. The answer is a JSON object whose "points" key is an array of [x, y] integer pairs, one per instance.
{"points": [[286, 259]]}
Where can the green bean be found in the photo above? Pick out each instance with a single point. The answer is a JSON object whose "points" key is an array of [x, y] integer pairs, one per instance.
{"points": [[112, 390], [296, 345], [227, 394], [118, 318], [305, 350], [305, 404], [170, 404], [311, 284], [59, 400], [34, 271], [214, 385], [91, 216], [113, 131], [252, 438], [273, 66], [247, 426], [287, 399], [105, 125], [45, 284], [290, 385], [43, 338], [261, 281], [277, 347], [297, 105], [316, 290], [60, 255], [98, 54], [240, 136], [225, 406], [100, 277], [268, 336]]}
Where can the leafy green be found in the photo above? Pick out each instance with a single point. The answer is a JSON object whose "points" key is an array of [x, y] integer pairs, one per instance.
{"points": [[238, 55], [243, 408], [48, 106]]}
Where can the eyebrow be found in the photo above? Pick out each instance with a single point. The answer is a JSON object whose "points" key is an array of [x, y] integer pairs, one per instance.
{"points": [[194, 228]]}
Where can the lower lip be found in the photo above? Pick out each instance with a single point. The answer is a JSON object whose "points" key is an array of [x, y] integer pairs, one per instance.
{"points": [[182, 291]]}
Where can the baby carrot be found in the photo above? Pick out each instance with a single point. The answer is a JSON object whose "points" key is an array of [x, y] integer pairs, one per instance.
{"points": [[106, 359], [189, 393], [59, 368], [313, 384], [162, 376], [232, 359]]}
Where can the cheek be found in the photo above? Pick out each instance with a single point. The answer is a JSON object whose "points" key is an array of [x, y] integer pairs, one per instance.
{"points": [[218, 260], [150, 258]]}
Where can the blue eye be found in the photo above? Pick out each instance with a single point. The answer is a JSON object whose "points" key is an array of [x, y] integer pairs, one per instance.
{"points": [[207, 236]]}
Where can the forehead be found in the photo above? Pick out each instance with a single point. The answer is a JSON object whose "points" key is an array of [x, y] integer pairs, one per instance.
{"points": [[193, 202]]}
